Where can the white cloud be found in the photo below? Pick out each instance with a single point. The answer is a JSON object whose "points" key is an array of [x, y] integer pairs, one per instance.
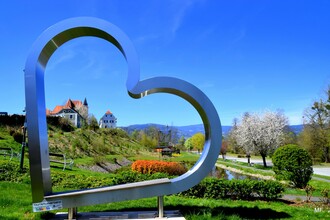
{"points": [[180, 14], [66, 55]]}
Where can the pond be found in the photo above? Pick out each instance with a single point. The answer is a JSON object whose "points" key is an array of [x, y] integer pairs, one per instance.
{"points": [[229, 175]]}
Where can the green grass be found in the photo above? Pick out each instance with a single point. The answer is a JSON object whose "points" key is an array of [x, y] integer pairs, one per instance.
{"points": [[323, 165], [321, 176], [15, 203], [8, 141], [318, 185], [244, 167]]}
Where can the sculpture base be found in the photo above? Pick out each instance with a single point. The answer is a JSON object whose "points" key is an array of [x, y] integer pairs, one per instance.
{"points": [[138, 215]]}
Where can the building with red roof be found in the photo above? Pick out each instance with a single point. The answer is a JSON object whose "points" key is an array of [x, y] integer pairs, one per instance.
{"points": [[75, 111]]}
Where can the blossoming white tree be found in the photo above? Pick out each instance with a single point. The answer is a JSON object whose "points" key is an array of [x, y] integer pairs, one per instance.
{"points": [[261, 133]]}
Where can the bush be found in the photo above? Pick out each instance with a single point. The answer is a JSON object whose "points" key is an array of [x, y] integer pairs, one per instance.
{"points": [[235, 189], [18, 136], [293, 163], [155, 166], [325, 193]]}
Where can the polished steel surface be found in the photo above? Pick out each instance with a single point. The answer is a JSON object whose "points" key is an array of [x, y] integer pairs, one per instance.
{"points": [[36, 62]]}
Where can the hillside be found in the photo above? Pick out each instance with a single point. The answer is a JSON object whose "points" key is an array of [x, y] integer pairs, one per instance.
{"points": [[86, 142], [75, 143]]}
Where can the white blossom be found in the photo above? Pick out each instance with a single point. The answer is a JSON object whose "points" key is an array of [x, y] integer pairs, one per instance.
{"points": [[261, 133]]}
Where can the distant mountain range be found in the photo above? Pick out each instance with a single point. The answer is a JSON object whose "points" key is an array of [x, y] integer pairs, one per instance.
{"points": [[190, 130]]}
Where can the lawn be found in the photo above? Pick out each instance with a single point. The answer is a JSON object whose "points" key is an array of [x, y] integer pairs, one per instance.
{"points": [[15, 203]]}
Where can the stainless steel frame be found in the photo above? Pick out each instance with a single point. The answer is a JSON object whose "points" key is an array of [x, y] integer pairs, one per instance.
{"points": [[36, 62]]}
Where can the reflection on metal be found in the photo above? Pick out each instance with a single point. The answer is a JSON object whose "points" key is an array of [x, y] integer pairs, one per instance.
{"points": [[36, 63], [160, 200]]}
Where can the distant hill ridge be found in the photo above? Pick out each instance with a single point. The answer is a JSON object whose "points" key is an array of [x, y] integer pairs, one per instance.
{"points": [[190, 130]]}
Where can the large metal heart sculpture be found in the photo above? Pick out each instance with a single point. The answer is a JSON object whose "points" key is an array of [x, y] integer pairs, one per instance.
{"points": [[36, 62]]}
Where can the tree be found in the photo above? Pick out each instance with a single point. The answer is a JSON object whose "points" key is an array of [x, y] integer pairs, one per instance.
{"points": [[293, 163], [181, 142], [93, 124], [308, 139], [233, 146], [317, 123], [197, 141], [289, 137], [261, 133], [224, 148], [147, 141], [188, 144]]}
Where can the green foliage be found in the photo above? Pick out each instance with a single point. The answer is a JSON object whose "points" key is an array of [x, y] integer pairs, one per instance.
{"points": [[148, 141], [309, 189], [325, 193], [197, 140], [315, 137], [188, 144], [62, 123], [85, 142], [235, 189], [293, 163], [18, 136], [6, 138], [82, 181], [93, 124]]}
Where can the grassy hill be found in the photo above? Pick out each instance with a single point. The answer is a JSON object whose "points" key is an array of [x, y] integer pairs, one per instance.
{"points": [[85, 142], [75, 143]]}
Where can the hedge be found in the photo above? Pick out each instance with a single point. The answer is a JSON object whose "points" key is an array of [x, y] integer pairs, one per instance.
{"points": [[236, 189], [209, 188]]}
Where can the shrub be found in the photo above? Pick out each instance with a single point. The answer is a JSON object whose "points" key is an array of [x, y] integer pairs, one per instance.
{"points": [[65, 124], [293, 163], [155, 166], [236, 189], [325, 193], [18, 136], [216, 188]]}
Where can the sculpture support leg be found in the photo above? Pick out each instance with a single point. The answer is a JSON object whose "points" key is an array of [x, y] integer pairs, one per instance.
{"points": [[160, 206], [72, 213]]}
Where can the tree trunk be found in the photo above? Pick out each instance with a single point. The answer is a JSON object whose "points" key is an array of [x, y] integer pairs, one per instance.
{"points": [[326, 154], [248, 156], [264, 160]]}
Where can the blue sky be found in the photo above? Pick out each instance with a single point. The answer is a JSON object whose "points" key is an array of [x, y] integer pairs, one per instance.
{"points": [[246, 56]]}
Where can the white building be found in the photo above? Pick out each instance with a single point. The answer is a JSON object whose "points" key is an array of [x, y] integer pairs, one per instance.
{"points": [[74, 110], [108, 120]]}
